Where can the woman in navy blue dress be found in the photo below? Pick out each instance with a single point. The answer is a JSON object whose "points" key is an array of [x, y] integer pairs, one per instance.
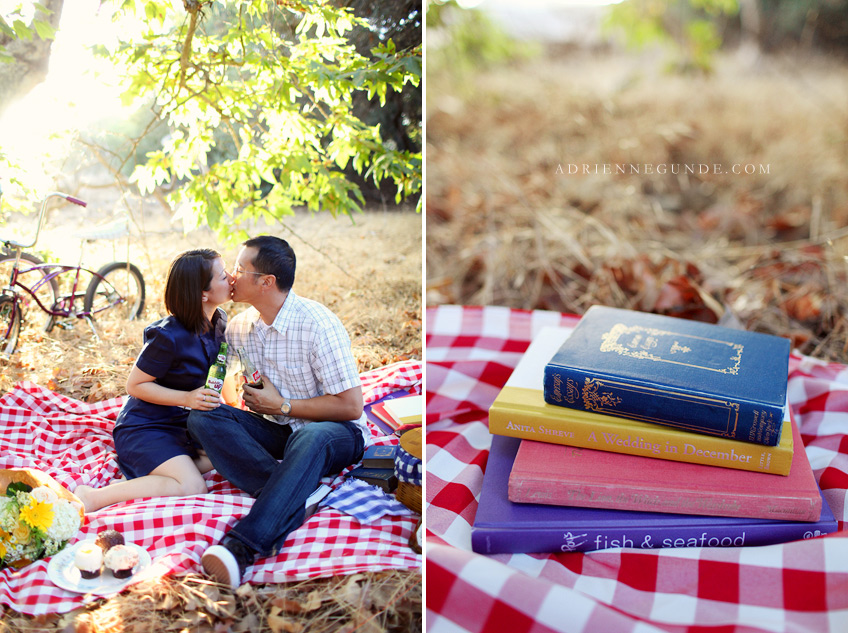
{"points": [[155, 453]]}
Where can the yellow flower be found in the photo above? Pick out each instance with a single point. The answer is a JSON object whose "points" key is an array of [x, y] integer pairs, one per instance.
{"points": [[2, 547], [38, 514], [20, 533]]}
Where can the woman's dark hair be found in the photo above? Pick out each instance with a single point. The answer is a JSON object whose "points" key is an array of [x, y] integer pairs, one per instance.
{"points": [[275, 257], [188, 276]]}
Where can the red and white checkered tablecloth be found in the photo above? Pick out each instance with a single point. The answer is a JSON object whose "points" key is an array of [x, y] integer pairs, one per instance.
{"points": [[72, 441], [798, 587]]}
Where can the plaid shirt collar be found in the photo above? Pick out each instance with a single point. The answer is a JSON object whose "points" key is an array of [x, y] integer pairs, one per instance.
{"points": [[284, 316]]}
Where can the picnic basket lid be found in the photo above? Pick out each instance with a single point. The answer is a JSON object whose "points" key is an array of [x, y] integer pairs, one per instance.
{"points": [[411, 442]]}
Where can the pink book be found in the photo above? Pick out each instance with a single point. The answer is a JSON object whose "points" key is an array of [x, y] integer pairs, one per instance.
{"points": [[563, 475]]}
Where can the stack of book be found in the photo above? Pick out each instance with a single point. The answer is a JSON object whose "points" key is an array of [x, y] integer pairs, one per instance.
{"points": [[378, 467], [646, 431], [398, 414]]}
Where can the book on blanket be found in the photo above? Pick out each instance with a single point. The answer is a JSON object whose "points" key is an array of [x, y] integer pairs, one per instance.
{"points": [[384, 478], [664, 370], [380, 456], [375, 412], [502, 526], [520, 410], [563, 475], [407, 410], [402, 413]]}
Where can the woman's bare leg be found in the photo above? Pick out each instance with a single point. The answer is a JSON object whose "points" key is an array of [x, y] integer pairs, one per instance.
{"points": [[203, 463], [177, 477]]}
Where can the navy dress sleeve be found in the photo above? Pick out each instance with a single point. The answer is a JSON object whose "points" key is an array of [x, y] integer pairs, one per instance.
{"points": [[159, 351]]}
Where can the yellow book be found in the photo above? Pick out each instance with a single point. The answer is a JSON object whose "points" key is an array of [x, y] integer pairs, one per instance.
{"points": [[520, 410], [406, 410]]}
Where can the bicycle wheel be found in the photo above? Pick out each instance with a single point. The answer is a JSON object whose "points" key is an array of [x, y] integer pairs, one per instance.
{"points": [[116, 294], [10, 325], [47, 290]]}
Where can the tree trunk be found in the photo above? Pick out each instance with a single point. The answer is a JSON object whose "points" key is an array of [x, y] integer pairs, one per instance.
{"points": [[31, 59], [750, 19]]}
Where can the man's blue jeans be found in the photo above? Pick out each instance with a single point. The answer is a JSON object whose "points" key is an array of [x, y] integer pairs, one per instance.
{"points": [[244, 448]]}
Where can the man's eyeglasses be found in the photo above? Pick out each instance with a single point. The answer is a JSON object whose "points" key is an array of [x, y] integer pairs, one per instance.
{"points": [[238, 270]]}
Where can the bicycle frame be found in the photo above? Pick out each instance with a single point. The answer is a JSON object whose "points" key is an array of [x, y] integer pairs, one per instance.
{"points": [[98, 296], [53, 270], [65, 302]]}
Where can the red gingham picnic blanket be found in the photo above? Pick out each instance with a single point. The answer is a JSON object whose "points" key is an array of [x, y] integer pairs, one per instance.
{"points": [[797, 587], [72, 441]]}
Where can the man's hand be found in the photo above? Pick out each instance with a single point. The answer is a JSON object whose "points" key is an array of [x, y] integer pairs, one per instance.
{"points": [[346, 405], [265, 400]]}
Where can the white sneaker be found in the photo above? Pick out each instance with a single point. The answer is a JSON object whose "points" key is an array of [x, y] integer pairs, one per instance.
{"points": [[315, 499], [221, 565]]}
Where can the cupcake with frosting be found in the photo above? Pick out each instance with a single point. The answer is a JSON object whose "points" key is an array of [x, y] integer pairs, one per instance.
{"points": [[88, 559], [121, 560], [108, 539]]}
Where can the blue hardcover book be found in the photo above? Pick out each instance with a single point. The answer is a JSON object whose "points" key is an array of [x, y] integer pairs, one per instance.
{"points": [[380, 456], [694, 376], [502, 526]]}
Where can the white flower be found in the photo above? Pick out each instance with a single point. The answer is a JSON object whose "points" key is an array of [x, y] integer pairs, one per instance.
{"points": [[51, 546], [8, 514], [23, 541], [44, 494], [66, 521]]}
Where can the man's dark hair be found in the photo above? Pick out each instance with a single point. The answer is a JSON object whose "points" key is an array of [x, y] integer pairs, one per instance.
{"points": [[275, 257], [188, 276]]}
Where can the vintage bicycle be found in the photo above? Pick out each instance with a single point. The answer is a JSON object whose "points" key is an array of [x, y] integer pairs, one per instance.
{"points": [[114, 293]]}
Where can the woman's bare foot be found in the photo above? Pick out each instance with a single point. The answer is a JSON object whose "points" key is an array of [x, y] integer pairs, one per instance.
{"points": [[86, 495]]}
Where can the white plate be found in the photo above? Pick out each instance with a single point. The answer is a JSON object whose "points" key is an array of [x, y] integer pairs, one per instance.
{"points": [[62, 571]]}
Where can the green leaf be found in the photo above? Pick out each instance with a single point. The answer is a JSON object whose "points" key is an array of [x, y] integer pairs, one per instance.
{"points": [[5, 29], [42, 9], [44, 29], [22, 31], [17, 486], [151, 11]]}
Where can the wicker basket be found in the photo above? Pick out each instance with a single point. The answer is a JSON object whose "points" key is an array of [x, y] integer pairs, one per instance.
{"points": [[415, 538], [408, 470], [409, 495]]}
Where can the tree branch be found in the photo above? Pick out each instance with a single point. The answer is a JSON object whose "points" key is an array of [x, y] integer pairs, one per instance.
{"points": [[186, 53]]}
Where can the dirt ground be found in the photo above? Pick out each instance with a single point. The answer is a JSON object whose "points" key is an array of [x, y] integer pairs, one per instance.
{"points": [[368, 271], [562, 181]]}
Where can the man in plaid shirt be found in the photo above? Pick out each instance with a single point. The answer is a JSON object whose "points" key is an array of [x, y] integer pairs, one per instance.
{"points": [[306, 420]]}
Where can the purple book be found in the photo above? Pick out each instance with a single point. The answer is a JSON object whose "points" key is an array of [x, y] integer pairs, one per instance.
{"points": [[503, 526]]}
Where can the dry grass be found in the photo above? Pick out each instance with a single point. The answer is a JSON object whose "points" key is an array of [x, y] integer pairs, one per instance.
{"points": [[366, 603], [507, 224], [369, 274]]}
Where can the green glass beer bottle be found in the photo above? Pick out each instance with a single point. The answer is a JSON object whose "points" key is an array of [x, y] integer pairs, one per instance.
{"points": [[215, 379]]}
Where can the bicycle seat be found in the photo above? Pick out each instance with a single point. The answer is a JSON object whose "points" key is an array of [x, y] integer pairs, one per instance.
{"points": [[111, 231]]}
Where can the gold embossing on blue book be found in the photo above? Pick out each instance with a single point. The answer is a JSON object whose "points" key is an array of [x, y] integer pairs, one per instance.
{"points": [[690, 375], [662, 346]]}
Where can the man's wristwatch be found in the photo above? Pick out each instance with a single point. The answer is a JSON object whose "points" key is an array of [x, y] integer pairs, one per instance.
{"points": [[285, 408]]}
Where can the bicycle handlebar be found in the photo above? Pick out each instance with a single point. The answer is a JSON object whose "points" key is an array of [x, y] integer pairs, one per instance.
{"points": [[76, 201], [54, 194]]}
